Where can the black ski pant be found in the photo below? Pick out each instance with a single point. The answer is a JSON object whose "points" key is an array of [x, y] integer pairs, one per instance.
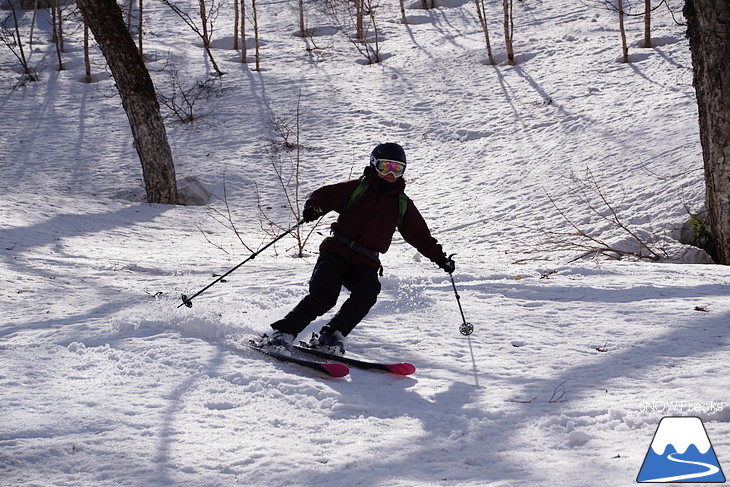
{"points": [[330, 273]]}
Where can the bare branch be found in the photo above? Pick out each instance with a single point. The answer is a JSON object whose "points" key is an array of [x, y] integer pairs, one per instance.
{"points": [[577, 239], [559, 394]]}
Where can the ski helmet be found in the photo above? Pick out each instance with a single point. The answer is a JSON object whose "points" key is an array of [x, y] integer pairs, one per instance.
{"points": [[390, 151]]}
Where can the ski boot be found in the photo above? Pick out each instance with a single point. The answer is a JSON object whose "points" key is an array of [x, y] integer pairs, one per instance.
{"points": [[278, 341], [328, 341]]}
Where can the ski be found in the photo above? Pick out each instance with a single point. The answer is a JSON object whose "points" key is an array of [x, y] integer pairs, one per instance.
{"points": [[398, 368], [331, 369]]}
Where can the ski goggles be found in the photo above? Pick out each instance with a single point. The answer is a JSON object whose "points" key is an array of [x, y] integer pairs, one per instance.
{"points": [[386, 166]]}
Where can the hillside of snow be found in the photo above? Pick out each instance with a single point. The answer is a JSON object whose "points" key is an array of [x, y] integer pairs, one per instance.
{"points": [[105, 380]]}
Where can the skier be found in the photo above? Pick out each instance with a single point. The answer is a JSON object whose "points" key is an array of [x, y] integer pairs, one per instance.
{"points": [[370, 209]]}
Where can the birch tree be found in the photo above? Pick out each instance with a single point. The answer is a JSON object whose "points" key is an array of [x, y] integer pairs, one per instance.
{"points": [[622, 31], [208, 14], [482, 14], [647, 24], [14, 41], [508, 30]]}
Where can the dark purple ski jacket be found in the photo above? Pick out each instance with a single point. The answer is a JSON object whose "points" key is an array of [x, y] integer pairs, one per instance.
{"points": [[372, 220]]}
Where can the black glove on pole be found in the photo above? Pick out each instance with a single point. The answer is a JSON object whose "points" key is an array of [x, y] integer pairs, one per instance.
{"points": [[311, 213], [188, 301], [448, 264]]}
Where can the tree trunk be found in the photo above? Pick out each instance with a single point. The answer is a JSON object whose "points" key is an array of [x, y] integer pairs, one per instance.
{"points": [[302, 27], [60, 26], [206, 37], [508, 31], [33, 21], [235, 25], [482, 14], [256, 35], [622, 30], [647, 23], [243, 32], [708, 30], [104, 18], [140, 32], [29, 73], [129, 16], [359, 6], [87, 61], [55, 21]]}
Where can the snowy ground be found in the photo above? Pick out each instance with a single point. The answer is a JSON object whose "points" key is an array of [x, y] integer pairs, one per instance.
{"points": [[105, 381]]}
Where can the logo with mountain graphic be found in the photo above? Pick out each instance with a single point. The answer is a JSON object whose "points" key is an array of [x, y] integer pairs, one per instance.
{"points": [[681, 452]]}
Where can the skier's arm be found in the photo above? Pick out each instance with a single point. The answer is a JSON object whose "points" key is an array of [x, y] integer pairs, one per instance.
{"points": [[331, 197], [415, 231]]}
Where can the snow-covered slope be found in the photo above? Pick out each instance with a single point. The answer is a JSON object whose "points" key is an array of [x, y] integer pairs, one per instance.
{"points": [[105, 381]]}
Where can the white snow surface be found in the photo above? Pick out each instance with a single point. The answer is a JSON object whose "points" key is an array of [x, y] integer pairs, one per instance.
{"points": [[104, 380]]}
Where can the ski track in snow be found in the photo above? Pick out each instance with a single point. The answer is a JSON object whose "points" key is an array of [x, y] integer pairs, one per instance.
{"points": [[105, 381]]}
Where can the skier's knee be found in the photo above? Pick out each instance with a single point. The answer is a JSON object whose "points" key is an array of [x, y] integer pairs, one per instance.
{"points": [[324, 300]]}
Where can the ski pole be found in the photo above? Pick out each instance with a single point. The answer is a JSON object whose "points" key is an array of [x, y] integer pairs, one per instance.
{"points": [[188, 301], [465, 328]]}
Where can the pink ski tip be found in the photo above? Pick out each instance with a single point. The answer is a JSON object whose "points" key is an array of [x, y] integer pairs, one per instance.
{"points": [[336, 370], [402, 369]]}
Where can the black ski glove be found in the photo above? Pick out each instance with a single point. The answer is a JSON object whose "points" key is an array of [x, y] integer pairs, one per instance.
{"points": [[311, 213], [447, 264]]}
